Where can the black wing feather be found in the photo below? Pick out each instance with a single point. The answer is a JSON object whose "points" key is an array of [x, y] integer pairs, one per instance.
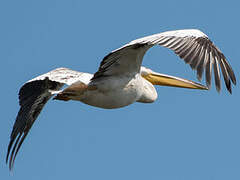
{"points": [[200, 53], [32, 98]]}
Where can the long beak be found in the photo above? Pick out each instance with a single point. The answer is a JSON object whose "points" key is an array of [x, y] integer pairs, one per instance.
{"points": [[166, 80]]}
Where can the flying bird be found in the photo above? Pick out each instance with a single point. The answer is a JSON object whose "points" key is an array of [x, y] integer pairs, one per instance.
{"points": [[120, 79]]}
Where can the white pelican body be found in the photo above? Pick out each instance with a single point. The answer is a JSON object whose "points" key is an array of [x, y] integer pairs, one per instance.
{"points": [[116, 92], [120, 79]]}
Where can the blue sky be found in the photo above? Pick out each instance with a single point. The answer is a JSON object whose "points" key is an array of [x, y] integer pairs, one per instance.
{"points": [[185, 134]]}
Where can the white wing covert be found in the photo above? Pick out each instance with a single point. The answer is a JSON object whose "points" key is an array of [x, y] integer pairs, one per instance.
{"points": [[122, 61]]}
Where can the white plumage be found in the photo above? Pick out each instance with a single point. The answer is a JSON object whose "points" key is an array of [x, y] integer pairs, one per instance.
{"points": [[120, 79]]}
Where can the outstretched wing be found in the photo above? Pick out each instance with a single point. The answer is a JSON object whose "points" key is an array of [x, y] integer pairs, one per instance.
{"points": [[33, 95], [192, 45]]}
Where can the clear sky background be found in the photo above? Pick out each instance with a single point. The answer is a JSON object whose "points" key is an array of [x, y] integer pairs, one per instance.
{"points": [[184, 135]]}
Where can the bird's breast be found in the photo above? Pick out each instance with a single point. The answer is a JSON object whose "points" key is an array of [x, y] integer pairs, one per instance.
{"points": [[114, 92]]}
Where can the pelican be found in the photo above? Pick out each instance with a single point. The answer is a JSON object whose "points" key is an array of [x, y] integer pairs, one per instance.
{"points": [[120, 79]]}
